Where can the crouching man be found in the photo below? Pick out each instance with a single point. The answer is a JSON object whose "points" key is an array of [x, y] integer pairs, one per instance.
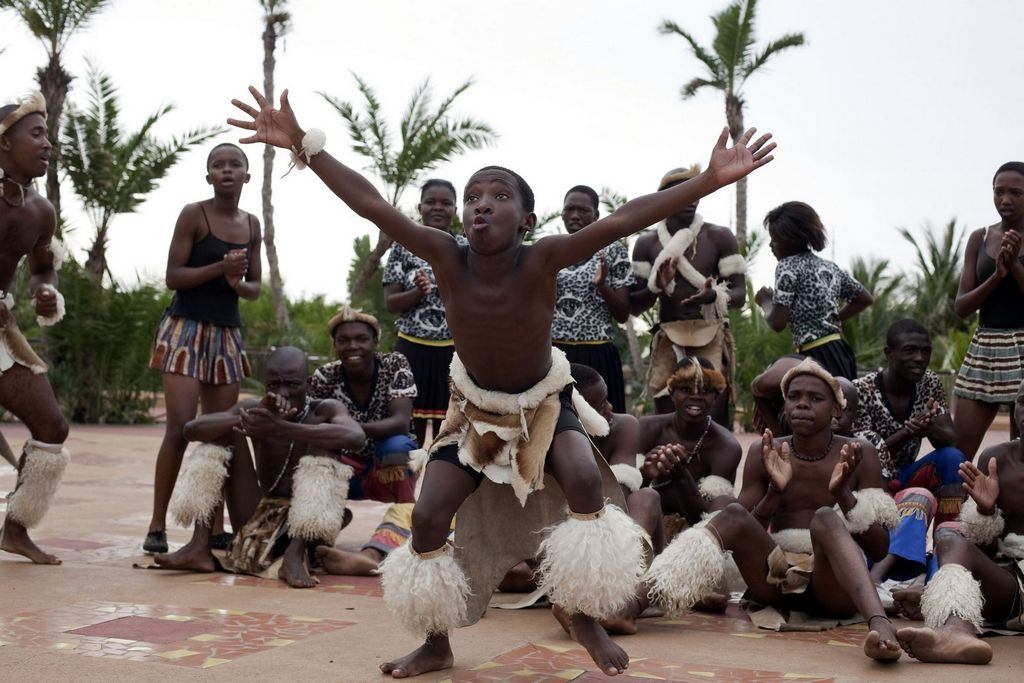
{"points": [[293, 499]]}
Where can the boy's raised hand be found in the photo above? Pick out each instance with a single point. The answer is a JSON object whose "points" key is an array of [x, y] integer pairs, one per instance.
{"points": [[277, 127], [983, 488], [729, 164]]}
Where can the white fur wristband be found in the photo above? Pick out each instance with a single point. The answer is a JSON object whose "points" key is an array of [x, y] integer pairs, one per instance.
{"points": [[312, 144], [860, 517], [981, 529]]}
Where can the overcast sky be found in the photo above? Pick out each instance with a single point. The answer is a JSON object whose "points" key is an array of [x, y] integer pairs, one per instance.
{"points": [[893, 114]]}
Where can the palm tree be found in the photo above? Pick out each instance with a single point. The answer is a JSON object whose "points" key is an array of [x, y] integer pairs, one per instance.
{"points": [[866, 331], [53, 22], [276, 23], [428, 136], [112, 170], [730, 62], [937, 278]]}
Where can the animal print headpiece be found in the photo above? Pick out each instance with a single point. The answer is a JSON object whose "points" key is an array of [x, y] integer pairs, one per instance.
{"points": [[808, 366], [33, 103], [696, 377]]}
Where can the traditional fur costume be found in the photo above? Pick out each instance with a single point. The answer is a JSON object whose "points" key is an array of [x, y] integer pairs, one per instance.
{"points": [[200, 484], [41, 471], [261, 540], [591, 563], [319, 494]]}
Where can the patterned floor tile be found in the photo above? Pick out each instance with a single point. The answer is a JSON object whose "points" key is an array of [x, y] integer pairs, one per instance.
{"points": [[550, 663], [348, 585], [182, 636]]}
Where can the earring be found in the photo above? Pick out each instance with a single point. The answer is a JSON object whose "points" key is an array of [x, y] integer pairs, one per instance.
{"points": [[835, 424]]}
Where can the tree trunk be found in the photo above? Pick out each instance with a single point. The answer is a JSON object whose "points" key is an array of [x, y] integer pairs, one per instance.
{"points": [[635, 352], [276, 283], [734, 119], [96, 263], [370, 266], [54, 82]]}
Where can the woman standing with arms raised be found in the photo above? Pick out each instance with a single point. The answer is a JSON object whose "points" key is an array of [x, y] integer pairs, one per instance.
{"points": [[214, 259], [410, 291], [992, 283]]}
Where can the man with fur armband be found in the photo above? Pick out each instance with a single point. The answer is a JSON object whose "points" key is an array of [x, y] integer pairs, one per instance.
{"points": [[821, 495], [27, 226], [295, 497], [980, 580]]}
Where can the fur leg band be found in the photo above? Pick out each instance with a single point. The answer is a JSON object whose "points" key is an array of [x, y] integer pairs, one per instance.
{"points": [[37, 484], [1012, 546], [713, 486], [425, 593], [873, 505], [981, 529], [687, 571], [200, 484], [628, 476], [319, 494], [593, 566], [952, 592]]}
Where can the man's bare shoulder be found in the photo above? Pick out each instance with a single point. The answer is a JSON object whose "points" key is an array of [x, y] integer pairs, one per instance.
{"points": [[725, 438], [722, 237], [999, 453]]}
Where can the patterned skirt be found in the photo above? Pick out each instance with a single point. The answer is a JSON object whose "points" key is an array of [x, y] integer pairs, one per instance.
{"points": [[430, 365], [209, 353], [993, 367]]}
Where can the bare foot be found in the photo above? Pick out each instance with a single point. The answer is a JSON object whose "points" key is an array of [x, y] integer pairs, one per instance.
{"points": [[520, 579], [944, 645], [881, 643], [609, 657], [433, 655], [908, 603], [14, 539], [345, 563], [192, 556], [293, 572], [716, 603]]}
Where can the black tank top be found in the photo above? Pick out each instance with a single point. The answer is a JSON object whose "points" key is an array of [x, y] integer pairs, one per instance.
{"points": [[214, 301], [1004, 307]]}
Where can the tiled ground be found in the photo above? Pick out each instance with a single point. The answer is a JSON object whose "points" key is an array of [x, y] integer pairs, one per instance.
{"points": [[183, 636], [348, 585]]}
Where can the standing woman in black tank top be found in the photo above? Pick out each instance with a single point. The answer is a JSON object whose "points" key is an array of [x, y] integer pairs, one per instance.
{"points": [[214, 259], [993, 284]]}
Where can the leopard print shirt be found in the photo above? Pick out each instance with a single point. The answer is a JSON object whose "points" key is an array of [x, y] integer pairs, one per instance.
{"points": [[809, 286], [581, 313], [426, 319]]}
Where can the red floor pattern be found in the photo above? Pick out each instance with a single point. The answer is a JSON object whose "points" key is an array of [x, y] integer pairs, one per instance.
{"points": [[183, 636], [542, 663]]}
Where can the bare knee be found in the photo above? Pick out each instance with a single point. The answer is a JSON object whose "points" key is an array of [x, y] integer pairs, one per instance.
{"points": [[825, 522], [644, 504], [733, 512], [429, 530], [54, 430], [949, 545]]}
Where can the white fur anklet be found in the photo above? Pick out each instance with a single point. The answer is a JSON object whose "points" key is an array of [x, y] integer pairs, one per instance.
{"points": [[319, 494], [425, 593], [200, 484], [713, 486], [952, 592], [981, 529], [592, 564], [687, 571], [37, 482], [51, 320]]}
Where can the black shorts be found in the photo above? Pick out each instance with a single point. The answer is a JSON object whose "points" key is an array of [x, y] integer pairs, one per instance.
{"points": [[568, 420]]}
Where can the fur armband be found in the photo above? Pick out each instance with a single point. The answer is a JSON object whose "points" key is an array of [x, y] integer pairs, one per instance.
{"points": [[628, 476], [199, 485], [713, 486], [642, 269], [51, 320], [59, 252], [981, 529], [732, 265], [593, 422], [886, 512], [860, 517], [312, 144], [319, 494], [1012, 546]]}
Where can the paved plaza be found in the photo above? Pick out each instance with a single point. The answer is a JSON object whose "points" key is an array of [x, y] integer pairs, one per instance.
{"points": [[101, 616]]}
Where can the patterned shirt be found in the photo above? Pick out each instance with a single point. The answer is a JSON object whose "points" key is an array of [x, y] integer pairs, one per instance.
{"points": [[581, 313], [426, 319], [809, 286], [392, 378], [876, 422]]}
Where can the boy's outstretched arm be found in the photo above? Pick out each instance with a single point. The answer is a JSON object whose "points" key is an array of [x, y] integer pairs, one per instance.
{"points": [[727, 165], [280, 128]]}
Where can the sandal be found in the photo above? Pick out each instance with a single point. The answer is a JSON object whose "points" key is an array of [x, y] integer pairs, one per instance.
{"points": [[156, 542], [221, 541]]}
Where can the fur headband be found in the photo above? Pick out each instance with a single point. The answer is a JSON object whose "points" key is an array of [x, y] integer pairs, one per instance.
{"points": [[347, 314], [677, 175], [694, 375], [33, 103], [808, 366]]}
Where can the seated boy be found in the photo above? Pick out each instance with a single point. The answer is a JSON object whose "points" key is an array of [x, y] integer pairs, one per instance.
{"points": [[294, 497], [981, 577], [510, 417]]}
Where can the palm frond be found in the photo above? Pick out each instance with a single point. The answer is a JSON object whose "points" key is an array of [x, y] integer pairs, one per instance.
{"points": [[691, 88], [785, 42], [710, 61], [734, 36], [53, 22]]}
